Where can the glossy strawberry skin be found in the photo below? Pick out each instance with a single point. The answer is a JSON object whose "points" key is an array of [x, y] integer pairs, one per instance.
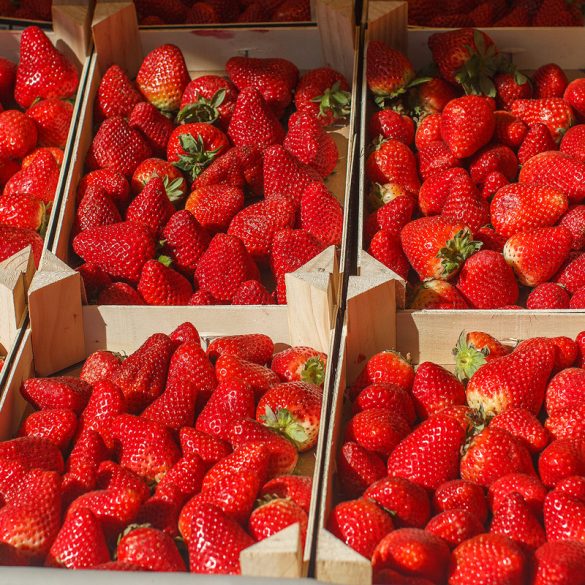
{"points": [[357, 469], [460, 494]]}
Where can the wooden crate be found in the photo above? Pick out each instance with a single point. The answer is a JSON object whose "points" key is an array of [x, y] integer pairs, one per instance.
{"points": [[118, 40], [371, 325], [63, 333]]}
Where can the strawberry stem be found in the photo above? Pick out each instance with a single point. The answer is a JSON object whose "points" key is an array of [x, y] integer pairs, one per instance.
{"points": [[203, 110], [334, 100], [468, 359], [284, 422], [196, 158], [456, 251], [314, 371]]}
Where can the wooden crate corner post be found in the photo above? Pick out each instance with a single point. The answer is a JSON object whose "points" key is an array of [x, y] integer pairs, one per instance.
{"points": [[388, 22], [72, 25], [56, 321]]}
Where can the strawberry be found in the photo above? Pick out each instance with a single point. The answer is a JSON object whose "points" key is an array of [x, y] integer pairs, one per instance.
{"points": [[387, 367], [549, 81], [538, 139], [293, 409], [300, 363], [32, 452], [511, 87], [274, 516], [116, 95], [202, 446], [192, 147], [467, 124], [392, 126], [437, 294], [324, 93], [559, 561], [564, 517], [488, 558], [361, 524], [459, 494], [231, 367], [561, 459], [161, 285], [390, 396], [548, 295], [575, 97], [553, 112], [119, 293], [297, 488], [208, 98], [435, 466], [435, 157], [378, 430], [407, 502], [573, 142], [121, 249], [23, 211], [510, 130], [214, 206], [42, 71], [478, 276], [493, 159], [432, 97], [150, 549], [55, 425], [118, 147], [291, 249], [571, 275], [142, 375], [536, 255], [224, 266], [151, 207], [110, 475], [186, 475], [273, 78], [95, 209], [52, 118], [13, 239], [163, 77], [292, 11], [385, 247], [564, 391], [463, 203], [99, 366], [436, 247], [357, 469], [388, 71], [307, 140], [253, 347], [7, 79], [435, 388], [153, 125], [523, 425], [394, 552], [202, 13], [218, 542], [428, 130], [115, 185], [58, 392], [455, 526], [173, 179], [490, 239], [252, 292], [39, 179], [566, 424], [393, 162], [529, 487], [185, 241]]}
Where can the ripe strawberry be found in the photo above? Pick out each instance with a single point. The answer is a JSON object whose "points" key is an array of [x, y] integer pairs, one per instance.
{"points": [[161, 285], [199, 445], [192, 147], [393, 162], [459, 494], [561, 459], [435, 388], [214, 206], [428, 130], [99, 366], [392, 126], [275, 515], [254, 347], [58, 392], [555, 113], [23, 211], [523, 425], [115, 185], [173, 179], [153, 125], [435, 157], [324, 93], [536, 255], [455, 526], [511, 87], [388, 71], [488, 236], [529, 487], [297, 488], [575, 97], [436, 247], [357, 469], [385, 247], [142, 375], [151, 207], [118, 147], [493, 159], [52, 118], [387, 367], [437, 294], [573, 142], [559, 561], [488, 558], [467, 124], [548, 295], [42, 71], [56, 425], [292, 11], [300, 363], [230, 367], [407, 502], [558, 171], [252, 292], [208, 98], [430, 560], [464, 204], [510, 130], [538, 139], [217, 543], [564, 517], [163, 77], [432, 96], [361, 524], [566, 423], [119, 293], [224, 266], [572, 275], [564, 391], [394, 209], [150, 549], [13, 239], [95, 209], [7, 79], [116, 94], [549, 81], [378, 430], [202, 13], [110, 475]]}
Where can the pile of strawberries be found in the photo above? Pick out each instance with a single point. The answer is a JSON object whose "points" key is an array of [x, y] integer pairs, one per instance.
{"points": [[174, 457], [26, 9], [160, 12], [474, 478], [479, 194], [195, 187], [482, 13], [35, 114]]}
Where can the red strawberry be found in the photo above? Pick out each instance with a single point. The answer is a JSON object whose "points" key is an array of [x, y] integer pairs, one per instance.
{"points": [[94, 279], [575, 96], [116, 94], [467, 124], [493, 159], [163, 77], [490, 239], [361, 524], [387, 367], [572, 274], [58, 392], [538, 139], [186, 476], [524, 426], [392, 126], [391, 396], [493, 557], [510, 130], [99, 365], [455, 526], [573, 142], [536, 255], [555, 113], [151, 207], [437, 294], [394, 208], [115, 185], [459, 494], [42, 71], [23, 211], [39, 179], [55, 425], [7, 78], [155, 127], [567, 423], [564, 517], [52, 118], [432, 96], [388, 72], [199, 445], [173, 179], [215, 206], [297, 488], [80, 543], [161, 285], [561, 459], [565, 391], [549, 81], [252, 292], [291, 249], [378, 430], [394, 552], [300, 363], [357, 469], [559, 561], [407, 502], [432, 467], [511, 87], [385, 247], [275, 515], [393, 162], [119, 293], [96, 209], [548, 295], [110, 475], [435, 388], [254, 347], [428, 130], [218, 542], [202, 13], [529, 487], [435, 157], [231, 367], [32, 452]]}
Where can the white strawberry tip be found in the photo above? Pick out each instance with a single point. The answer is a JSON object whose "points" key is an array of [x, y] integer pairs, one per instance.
{"points": [[489, 406]]}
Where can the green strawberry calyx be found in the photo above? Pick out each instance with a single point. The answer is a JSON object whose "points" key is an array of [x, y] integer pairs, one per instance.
{"points": [[174, 188], [382, 99], [165, 260], [455, 251], [468, 359], [203, 110], [335, 101], [196, 157], [283, 421], [314, 371]]}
